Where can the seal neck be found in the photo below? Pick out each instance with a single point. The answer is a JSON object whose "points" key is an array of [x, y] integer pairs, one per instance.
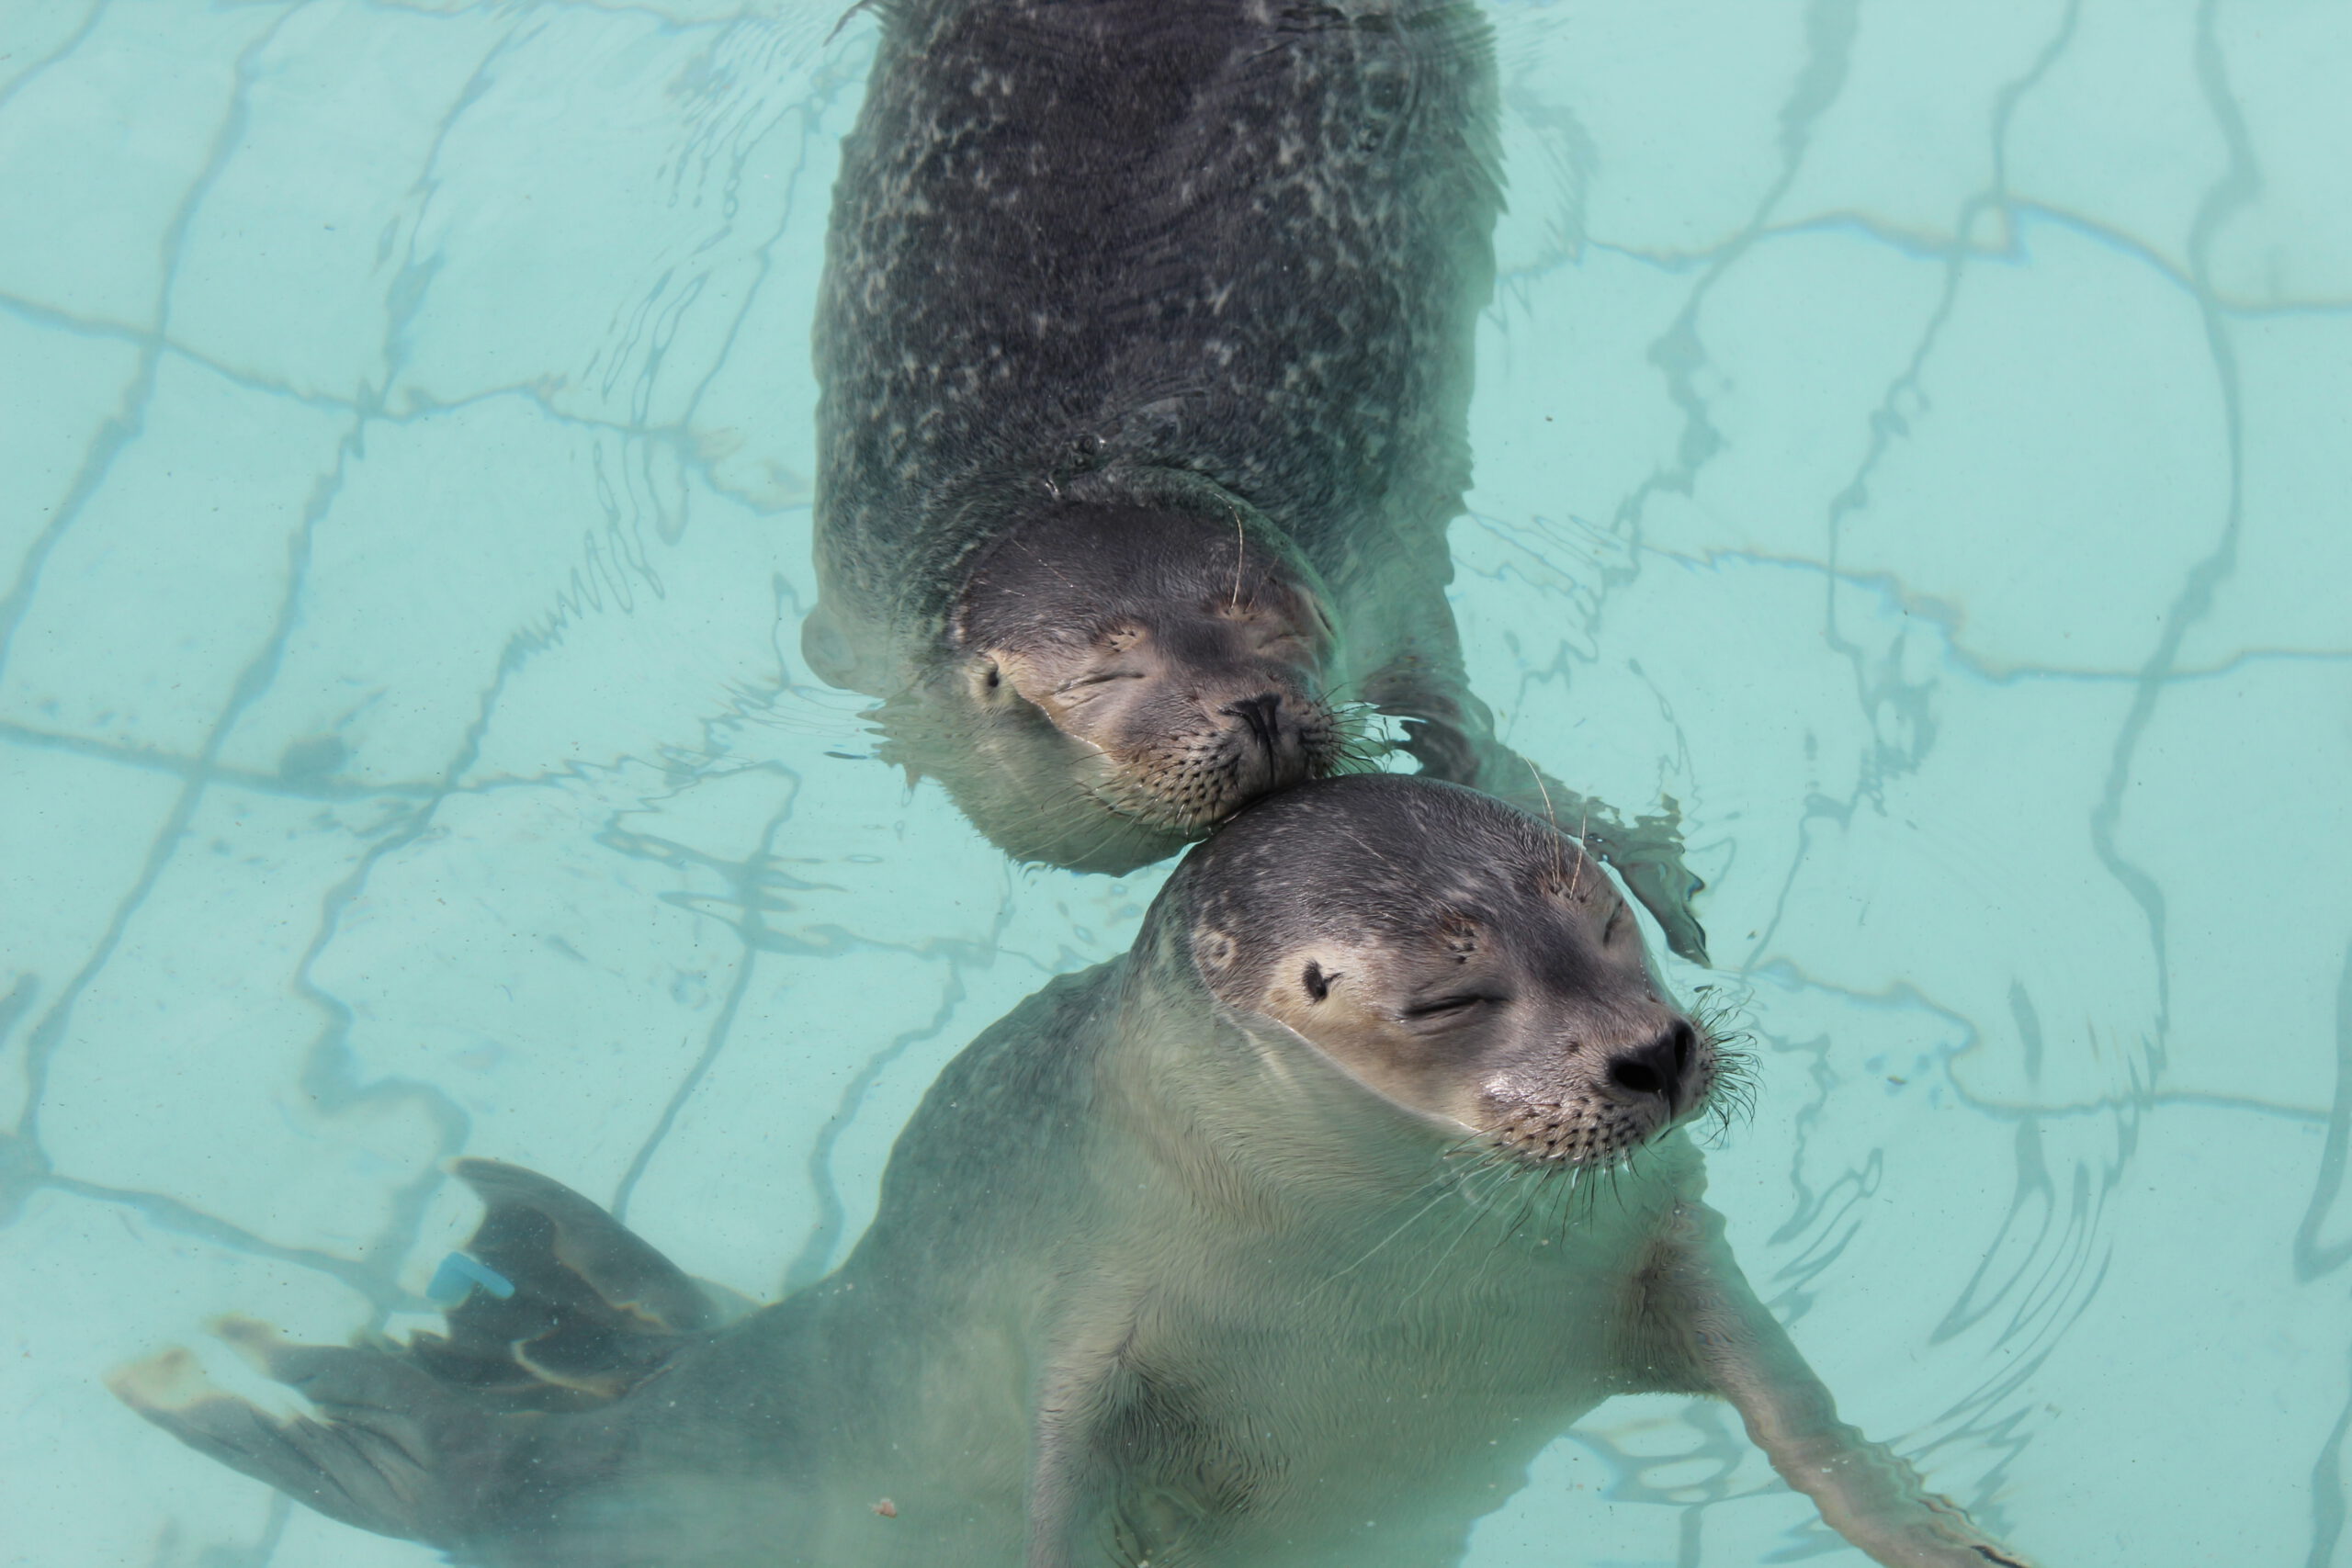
{"points": [[1249, 1118]]}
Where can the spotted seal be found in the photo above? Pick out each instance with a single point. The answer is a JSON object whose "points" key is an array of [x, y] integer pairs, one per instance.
{"points": [[1144, 343], [1276, 1242]]}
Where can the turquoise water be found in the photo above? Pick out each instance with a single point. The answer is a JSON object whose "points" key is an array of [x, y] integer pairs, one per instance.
{"points": [[1914, 439]]}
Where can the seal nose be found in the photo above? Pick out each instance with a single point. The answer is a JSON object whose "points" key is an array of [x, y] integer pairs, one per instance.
{"points": [[1263, 715], [1657, 1069], [1273, 744]]}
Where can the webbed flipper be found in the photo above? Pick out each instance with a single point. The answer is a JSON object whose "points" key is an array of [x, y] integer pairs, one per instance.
{"points": [[1459, 747], [589, 1311], [385, 1447], [1704, 1331], [440, 1439]]}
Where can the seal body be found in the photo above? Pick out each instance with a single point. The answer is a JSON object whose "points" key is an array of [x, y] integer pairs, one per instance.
{"points": [[1098, 246], [1122, 291], [1279, 1242]]}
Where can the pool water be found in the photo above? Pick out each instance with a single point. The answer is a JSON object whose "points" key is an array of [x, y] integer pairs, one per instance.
{"points": [[1915, 440]]}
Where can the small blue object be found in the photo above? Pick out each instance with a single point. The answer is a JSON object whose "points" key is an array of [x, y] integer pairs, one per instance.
{"points": [[459, 1274]]}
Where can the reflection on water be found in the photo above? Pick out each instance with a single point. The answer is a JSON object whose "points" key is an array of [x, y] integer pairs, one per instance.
{"points": [[1913, 445]]}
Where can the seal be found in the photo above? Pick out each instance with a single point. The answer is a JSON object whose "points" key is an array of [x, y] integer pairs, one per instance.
{"points": [[1282, 1241], [1145, 351]]}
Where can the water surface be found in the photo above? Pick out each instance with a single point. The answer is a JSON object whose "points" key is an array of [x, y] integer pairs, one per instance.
{"points": [[1915, 440]]}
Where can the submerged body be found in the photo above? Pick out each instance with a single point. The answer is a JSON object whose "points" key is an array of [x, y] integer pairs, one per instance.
{"points": [[1275, 1243], [1146, 347], [1263, 1383]]}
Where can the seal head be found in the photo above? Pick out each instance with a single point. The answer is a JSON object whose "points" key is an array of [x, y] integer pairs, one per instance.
{"points": [[1116, 678], [1461, 959]]}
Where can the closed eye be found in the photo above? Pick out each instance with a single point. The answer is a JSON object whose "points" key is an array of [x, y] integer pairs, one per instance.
{"points": [[1457, 1004], [1099, 678]]}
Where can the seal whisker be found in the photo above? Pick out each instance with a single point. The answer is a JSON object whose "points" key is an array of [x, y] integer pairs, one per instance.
{"points": [[1240, 557], [1559, 848], [1468, 1221], [1584, 825], [1531, 1191], [1579, 1189], [1444, 1190]]}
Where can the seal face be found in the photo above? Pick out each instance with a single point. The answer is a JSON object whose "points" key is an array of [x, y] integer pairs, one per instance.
{"points": [[1164, 680], [1481, 970]]}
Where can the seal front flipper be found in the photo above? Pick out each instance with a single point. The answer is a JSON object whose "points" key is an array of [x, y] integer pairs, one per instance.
{"points": [[835, 657], [1452, 739], [1703, 1331], [1130, 1466], [1647, 854], [443, 1439]]}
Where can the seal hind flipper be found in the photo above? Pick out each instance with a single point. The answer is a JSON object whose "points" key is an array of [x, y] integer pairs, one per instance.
{"points": [[434, 1440], [594, 1310], [382, 1451]]}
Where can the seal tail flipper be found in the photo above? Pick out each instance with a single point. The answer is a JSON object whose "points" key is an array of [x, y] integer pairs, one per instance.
{"points": [[567, 1312], [588, 1310], [374, 1453]]}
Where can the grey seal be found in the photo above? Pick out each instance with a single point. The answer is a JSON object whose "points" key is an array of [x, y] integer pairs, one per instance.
{"points": [[1285, 1241], [1144, 343]]}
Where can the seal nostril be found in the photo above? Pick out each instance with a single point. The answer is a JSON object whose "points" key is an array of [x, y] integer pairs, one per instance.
{"points": [[1632, 1074], [1262, 714], [1657, 1067]]}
